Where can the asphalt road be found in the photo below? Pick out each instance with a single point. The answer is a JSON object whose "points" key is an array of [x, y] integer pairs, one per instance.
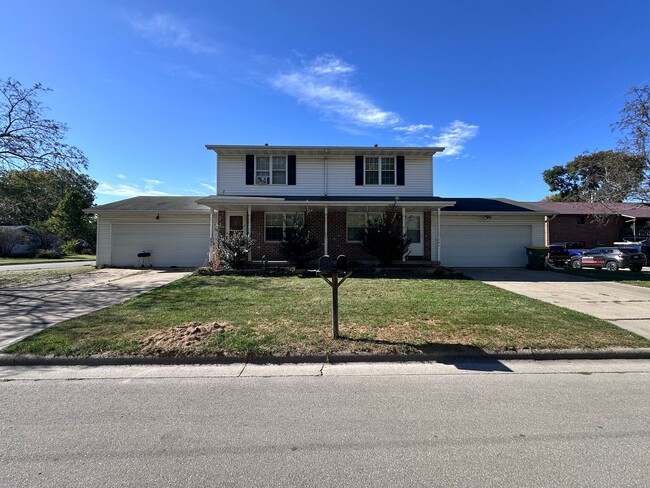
{"points": [[542, 424]]}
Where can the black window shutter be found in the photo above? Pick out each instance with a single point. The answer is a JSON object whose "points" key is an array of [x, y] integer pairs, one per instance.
{"points": [[400, 170], [291, 170], [250, 169], [358, 170]]}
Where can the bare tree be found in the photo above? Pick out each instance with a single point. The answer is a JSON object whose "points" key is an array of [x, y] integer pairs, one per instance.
{"points": [[28, 139], [634, 125]]}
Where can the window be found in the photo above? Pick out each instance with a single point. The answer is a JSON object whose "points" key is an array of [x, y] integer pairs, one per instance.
{"points": [[278, 225], [270, 170], [581, 220], [379, 170], [356, 223]]}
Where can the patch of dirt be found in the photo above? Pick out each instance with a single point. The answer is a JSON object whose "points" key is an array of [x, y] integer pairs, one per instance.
{"points": [[186, 336]]}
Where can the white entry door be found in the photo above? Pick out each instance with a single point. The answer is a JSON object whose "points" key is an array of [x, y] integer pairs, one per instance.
{"points": [[415, 232], [235, 222]]}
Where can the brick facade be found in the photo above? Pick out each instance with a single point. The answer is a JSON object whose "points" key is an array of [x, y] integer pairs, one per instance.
{"points": [[336, 241], [565, 228]]}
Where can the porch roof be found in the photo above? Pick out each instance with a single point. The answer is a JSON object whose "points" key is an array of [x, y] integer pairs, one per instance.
{"points": [[241, 202]]}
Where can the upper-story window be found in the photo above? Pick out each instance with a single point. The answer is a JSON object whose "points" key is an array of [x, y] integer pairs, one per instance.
{"points": [[379, 170], [270, 170]]}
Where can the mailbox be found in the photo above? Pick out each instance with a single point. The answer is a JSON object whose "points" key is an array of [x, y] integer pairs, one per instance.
{"points": [[325, 264], [342, 263]]}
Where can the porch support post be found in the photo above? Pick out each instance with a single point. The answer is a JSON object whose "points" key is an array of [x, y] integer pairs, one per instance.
{"points": [[403, 229], [325, 239], [248, 233], [211, 224], [438, 240]]}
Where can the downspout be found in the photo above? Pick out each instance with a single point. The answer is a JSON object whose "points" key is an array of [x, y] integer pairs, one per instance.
{"points": [[325, 243], [403, 229], [438, 240], [248, 233], [547, 226], [326, 171]]}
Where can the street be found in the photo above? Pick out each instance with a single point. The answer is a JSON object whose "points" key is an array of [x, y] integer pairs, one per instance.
{"points": [[497, 423]]}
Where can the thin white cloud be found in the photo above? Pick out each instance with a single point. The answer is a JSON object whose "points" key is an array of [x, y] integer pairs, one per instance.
{"points": [[152, 182], [454, 136], [209, 187], [414, 128], [165, 30], [127, 191], [322, 84], [121, 176]]}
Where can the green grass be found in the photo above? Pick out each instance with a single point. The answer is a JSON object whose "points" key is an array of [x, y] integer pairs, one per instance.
{"points": [[289, 315], [69, 257], [621, 276], [11, 279]]}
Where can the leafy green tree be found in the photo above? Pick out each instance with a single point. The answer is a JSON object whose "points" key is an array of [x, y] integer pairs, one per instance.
{"points": [[30, 196], [28, 139], [384, 237], [68, 219], [603, 176], [299, 246]]}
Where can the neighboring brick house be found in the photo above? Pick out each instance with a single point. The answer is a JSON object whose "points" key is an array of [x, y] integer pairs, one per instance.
{"points": [[595, 224], [260, 188]]}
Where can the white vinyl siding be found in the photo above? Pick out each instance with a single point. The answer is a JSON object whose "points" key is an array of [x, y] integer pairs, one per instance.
{"points": [[473, 241], [311, 179]]}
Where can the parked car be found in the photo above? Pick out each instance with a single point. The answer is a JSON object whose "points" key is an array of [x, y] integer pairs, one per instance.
{"points": [[610, 258], [561, 253]]}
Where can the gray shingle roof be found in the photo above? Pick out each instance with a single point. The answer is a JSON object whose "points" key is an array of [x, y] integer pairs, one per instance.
{"points": [[638, 210], [153, 204]]}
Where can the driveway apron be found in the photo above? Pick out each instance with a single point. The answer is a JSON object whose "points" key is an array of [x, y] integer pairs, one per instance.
{"points": [[29, 309], [627, 306]]}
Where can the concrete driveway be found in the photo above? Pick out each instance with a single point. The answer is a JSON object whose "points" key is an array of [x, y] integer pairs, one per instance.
{"points": [[627, 306], [29, 309]]}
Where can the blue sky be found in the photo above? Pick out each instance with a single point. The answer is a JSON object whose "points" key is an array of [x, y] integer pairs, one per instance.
{"points": [[510, 88]]}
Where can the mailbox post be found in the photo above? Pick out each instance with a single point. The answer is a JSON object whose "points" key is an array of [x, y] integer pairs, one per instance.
{"points": [[327, 267]]}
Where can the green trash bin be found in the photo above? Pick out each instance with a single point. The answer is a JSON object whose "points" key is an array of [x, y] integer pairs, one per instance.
{"points": [[536, 257]]}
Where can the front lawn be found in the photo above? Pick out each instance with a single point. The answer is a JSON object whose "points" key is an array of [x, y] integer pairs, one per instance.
{"points": [[68, 257], [257, 316], [622, 276], [11, 279]]}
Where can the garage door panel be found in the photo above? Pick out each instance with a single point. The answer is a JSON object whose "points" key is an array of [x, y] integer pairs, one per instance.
{"points": [[485, 246], [182, 245]]}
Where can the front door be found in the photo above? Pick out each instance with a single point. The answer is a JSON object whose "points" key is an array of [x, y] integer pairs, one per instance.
{"points": [[415, 232], [235, 222]]}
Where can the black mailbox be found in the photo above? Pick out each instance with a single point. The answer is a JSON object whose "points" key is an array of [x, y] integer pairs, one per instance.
{"points": [[342, 263], [325, 264]]}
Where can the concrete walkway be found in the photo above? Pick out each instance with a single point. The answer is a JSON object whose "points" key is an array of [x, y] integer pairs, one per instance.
{"points": [[29, 309], [627, 306], [28, 266]]}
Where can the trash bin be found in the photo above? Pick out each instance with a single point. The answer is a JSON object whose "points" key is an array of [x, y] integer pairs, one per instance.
{"points": [[536, 257]]}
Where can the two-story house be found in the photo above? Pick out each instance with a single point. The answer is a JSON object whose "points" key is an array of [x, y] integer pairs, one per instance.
{"points": [[261, 188]]}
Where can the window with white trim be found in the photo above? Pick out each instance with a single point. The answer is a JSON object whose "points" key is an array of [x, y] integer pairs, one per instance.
{"points": [[277, 225], [379, 170], [356, 224], [270, 170]]}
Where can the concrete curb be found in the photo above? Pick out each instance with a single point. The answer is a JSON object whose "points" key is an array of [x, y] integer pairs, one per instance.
{"points": [[444, 357]]}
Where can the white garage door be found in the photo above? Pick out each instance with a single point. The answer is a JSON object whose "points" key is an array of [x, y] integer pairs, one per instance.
{"points": [[182, 245], [485, 246]]}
